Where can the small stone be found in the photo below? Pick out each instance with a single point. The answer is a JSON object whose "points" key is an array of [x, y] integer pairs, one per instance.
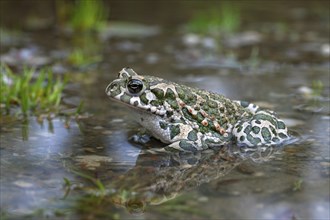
{"points": [[258, 174], [203, 199], [235, 193], [23, 184], [98, 127], [107, 132], [325, 49], [191, 39], [117, 120], [209, 43], [318, 158], [152, 58], [304, 90], [325, 164]]}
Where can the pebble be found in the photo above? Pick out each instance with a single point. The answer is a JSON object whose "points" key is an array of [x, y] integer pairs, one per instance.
{"points": [[117, 120], [318, 158], [209, 43], [325, 164], [23, 184], [325, 49], [203, 199], [258, 174], [107, 132], [305, 90], [152, 58], [191, 39], [235, 193]]}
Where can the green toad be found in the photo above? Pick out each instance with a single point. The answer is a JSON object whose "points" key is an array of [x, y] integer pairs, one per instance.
{"points": [[190, 119]]}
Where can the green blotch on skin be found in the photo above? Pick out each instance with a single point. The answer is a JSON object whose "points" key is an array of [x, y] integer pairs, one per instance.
{"points": [[222, 121], [191, 99], [169, 113], [156, 103], [248, 129], [260, 116], [170, 94], [273, 130], [282, 135], [144, 99], [175, 130], [187, 114], [173, 103], [159, 93], [192, 161], [242, 138], [125, 98], [212, 104], [239, 128], [163, 125], [203, 129], [205, 97], [253, 140], [185, 145], [213, 111], [275, 139], [255, 129], [244, 104], [181, 93], [192, 135], [199, 117], [117, 91], [266, 135], [280, 125], [205, 108]]}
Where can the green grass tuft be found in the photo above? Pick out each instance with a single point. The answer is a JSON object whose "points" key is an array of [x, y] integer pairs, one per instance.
{"points": [[31, 91]]}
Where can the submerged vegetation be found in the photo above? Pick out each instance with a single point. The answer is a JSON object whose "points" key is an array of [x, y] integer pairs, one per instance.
{"points": [[32, 92]]}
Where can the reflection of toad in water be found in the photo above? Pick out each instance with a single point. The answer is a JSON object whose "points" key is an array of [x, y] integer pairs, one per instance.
{"points": [[158, 178]]}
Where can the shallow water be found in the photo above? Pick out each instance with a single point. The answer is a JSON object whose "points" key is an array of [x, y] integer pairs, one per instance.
{"points": [[87, 168]]}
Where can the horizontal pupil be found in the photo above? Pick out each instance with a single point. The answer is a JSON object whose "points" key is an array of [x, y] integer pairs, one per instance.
{"points": [[134, 86]]}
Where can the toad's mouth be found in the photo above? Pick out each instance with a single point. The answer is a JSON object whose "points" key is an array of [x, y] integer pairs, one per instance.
{"points": [[146, 109]]}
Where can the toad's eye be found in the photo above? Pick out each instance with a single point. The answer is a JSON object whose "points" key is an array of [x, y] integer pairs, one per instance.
{"points": [[134, 86]]}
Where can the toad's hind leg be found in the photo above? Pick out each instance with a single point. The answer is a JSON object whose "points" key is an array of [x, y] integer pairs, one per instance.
{"points": [[262, 129]]}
